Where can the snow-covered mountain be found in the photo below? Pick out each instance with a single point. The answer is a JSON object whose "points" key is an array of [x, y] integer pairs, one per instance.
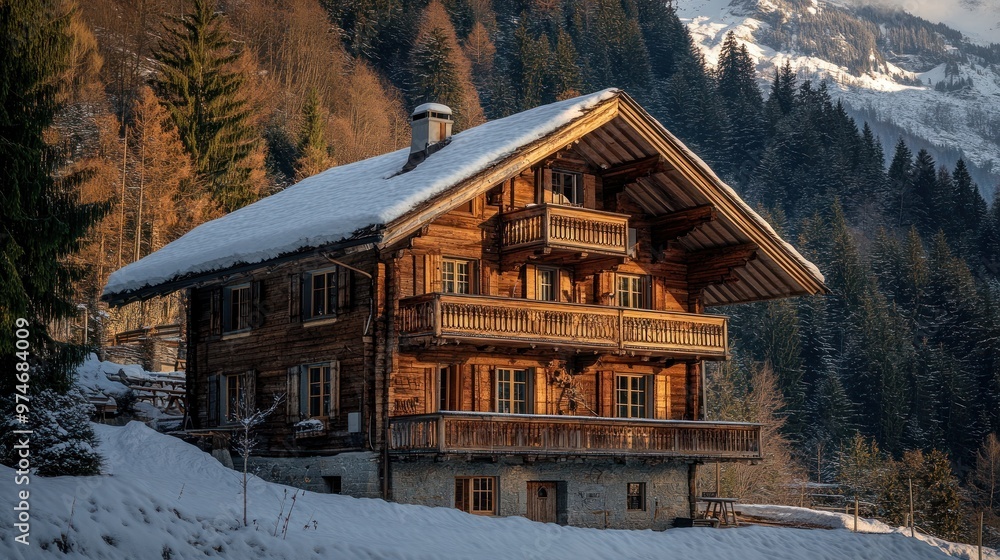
{"points": [[937, 87]]}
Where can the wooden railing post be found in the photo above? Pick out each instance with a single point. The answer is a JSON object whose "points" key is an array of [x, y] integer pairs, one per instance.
{"points": [[441, 433]]}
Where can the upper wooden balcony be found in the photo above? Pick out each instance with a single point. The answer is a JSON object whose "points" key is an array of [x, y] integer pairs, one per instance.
{"points": [[554, 229], [501, 434], [515, 322]]}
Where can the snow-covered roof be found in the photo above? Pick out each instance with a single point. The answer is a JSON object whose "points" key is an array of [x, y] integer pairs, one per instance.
{"points": [[331, 206], [353, 203]]}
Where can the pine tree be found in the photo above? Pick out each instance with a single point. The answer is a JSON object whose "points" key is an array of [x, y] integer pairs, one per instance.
{"points": [[314, 156], [737, 86], [439, 71], [40, 219], [919, 206], [205, 95], [564, 71], [900, 178]]}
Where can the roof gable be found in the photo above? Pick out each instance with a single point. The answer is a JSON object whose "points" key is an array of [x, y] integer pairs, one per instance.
{"points": [[371, 201]]}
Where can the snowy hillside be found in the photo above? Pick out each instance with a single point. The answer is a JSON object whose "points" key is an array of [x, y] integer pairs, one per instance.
{"points": [[920, 90], [163, 499]]}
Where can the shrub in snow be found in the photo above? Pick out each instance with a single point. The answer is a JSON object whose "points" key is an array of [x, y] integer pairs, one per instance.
{"points": [[62, 442]]}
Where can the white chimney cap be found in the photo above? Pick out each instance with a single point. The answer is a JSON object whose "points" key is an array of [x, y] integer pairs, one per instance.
{"points": [[431, 107]]}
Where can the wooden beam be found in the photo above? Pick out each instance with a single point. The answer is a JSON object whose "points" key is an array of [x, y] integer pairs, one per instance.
{"points": [[718, 265], [678, 224], [629, 171]]}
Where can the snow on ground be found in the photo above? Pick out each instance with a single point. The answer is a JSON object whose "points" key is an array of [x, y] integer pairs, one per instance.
{"points": [[834, 520], [162, 498], [92, 376]]}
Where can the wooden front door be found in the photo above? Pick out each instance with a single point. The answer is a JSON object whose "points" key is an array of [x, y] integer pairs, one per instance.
{"points": [[542, 502]]}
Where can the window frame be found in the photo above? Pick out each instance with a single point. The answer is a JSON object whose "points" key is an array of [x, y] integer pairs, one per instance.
{"points": [[470, 282], [554, 286], [631, 293], [449, 387], [511, 385], [630, 405], [637, 498], [303, 395], [245, 301], [557, 178], [326, 408], [336, 293], [228, 403], [467, 496]]}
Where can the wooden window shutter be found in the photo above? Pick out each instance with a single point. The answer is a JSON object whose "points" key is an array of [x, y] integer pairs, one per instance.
{"points": [[432, 273], [345, 288], [294, 298], [215, 319], [292, 394], [214, 402], [334, 408], [565, 291], [648, 293], [249, 390], [483, 381], [257, 304], [606, 393], [530, 280], [431, 402], [589, 191], [303, 393]]}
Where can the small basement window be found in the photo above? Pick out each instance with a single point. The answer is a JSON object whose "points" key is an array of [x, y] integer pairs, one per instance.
{"points": [[333, 484], [636, 496]]}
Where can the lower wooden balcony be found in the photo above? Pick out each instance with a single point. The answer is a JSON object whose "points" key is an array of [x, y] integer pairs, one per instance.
{"points": [[528, 323], [501, 434]]}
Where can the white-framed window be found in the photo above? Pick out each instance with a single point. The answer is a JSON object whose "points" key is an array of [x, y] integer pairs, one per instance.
{"points": [[325, 292], [314, 390], [476, 494], [457, 276], [635, 499], [547, 284], [237, 306], [631, 396], [319, 385], [566, 188], [512, 390], [633, 291]]}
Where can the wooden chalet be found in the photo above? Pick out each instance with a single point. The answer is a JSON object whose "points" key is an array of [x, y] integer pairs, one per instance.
{"points": [[510, 321]]}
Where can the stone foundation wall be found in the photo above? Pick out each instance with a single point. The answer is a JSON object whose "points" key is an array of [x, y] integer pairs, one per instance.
{"points": [[595, 490], [358, 472]]}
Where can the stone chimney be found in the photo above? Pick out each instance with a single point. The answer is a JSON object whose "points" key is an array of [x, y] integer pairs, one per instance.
{"points": [[431, 128]]}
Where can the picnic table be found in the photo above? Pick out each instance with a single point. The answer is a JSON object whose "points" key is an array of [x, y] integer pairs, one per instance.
{"points": [[161, 397], [721, 509]]}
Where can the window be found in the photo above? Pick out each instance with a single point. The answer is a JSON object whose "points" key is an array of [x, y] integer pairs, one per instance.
{"points": [[314, 391], [512, 391], [632, 291], [235, 393], [476, 494], [333, 484], [449, 394], [630, 396], [636, 496], [325, 292], [547, 284], [456, 276], [566, 188], [237, 307], [319, 380]]}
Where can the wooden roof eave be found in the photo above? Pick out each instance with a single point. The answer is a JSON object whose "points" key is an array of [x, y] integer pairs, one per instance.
{"points": [[510, 166], [697, 173]]}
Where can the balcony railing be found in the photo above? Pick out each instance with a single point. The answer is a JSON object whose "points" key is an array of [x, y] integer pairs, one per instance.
{"points": [[553, 226], [486, 433], [521, 322]]}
